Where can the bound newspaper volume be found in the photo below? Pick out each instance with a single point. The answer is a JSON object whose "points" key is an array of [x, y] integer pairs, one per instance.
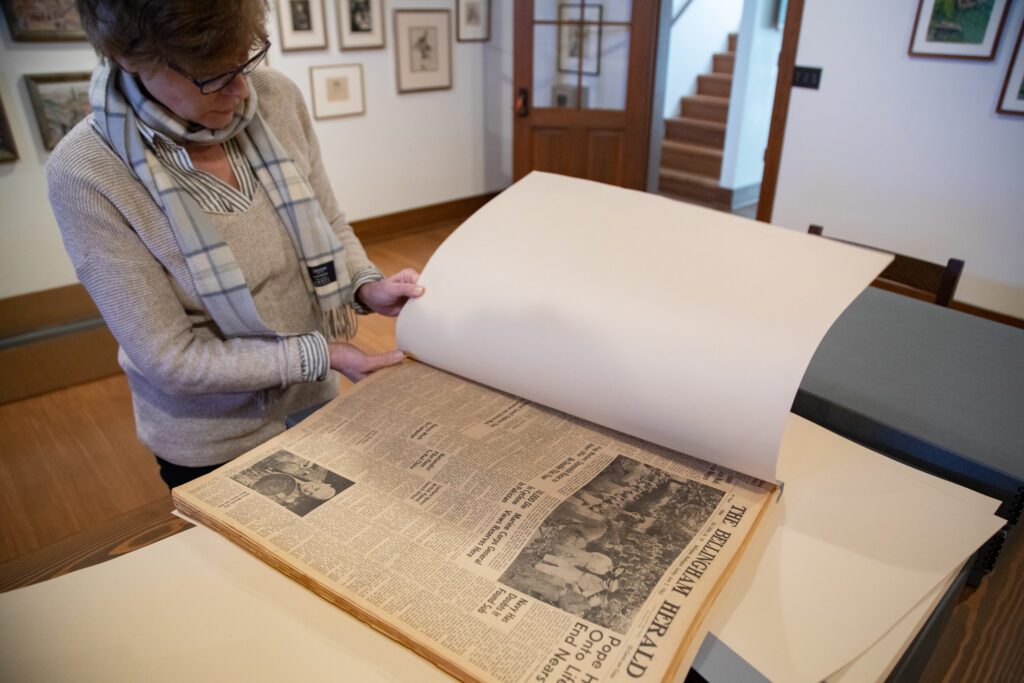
{"points": [[500, 539], [530, 506]]}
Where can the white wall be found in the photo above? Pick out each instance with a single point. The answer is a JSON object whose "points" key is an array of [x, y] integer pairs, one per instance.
{"points": [[31, 252], [658, 95], [702, 31], [495, 90], [907, 153], [407, 151], [752, 96]]}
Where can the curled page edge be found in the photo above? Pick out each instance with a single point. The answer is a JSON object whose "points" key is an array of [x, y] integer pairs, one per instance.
{"points": [[722, 395]]}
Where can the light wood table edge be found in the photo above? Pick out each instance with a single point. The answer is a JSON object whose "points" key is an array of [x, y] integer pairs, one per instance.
{"points": [[120, 535]]}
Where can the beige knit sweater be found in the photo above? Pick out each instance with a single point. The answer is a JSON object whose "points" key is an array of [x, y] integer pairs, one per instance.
{"points": [[199, 399]]}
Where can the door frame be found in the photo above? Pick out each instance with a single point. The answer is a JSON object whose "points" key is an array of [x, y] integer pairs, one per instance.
{"points": [[780, 110], [647, 15]]}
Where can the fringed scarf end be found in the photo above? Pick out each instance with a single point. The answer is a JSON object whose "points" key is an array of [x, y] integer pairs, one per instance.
{"points": [[340, 324]]}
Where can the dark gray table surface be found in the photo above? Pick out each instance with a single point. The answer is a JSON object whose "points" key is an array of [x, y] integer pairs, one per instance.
{"points": [[937, 388]]}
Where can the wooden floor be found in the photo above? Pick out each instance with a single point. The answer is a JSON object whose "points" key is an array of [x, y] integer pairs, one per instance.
{"points": [[70, 459], [70, 462]]}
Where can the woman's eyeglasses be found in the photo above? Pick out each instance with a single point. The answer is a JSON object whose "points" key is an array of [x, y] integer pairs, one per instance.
{"points": [[208, 86]]}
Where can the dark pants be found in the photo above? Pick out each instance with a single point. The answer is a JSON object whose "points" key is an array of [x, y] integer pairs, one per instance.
{"points": [[176, 475]]}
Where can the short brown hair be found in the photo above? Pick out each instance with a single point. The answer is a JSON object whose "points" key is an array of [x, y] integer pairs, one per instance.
{"points": [[199, 36]]}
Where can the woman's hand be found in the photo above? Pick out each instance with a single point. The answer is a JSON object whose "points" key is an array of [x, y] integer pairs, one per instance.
{"points": [[356, 364], [387, 296]]}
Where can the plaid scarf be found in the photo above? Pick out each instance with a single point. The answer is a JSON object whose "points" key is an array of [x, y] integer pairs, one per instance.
{"points": [[117, 99]]}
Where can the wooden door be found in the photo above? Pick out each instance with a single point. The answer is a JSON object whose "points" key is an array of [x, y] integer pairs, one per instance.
{"points": [[584, 79]]}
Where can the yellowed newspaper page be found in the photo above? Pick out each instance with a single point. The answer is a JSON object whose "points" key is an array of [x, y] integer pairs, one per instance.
{"points": [[687, 327], [503, 540]]}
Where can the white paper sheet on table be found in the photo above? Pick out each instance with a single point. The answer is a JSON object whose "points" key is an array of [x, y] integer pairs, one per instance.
{"points": [[687, 327], [883, 656], [855, 543], [192, 607], [718, 662]]}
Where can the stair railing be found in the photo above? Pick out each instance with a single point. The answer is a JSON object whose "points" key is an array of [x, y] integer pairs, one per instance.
{"points": [[679, 12]]}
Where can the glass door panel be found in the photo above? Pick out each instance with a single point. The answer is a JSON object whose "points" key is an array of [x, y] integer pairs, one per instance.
{"points": [[545, 74], [580, 58], [606, 89]]}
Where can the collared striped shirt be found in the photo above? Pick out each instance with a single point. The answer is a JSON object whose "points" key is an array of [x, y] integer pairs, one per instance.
{"points": [[215, 196], [212, 195]]}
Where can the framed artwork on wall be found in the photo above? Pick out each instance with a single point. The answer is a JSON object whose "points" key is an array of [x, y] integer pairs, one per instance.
{"points": [[565, 96], [361, 24], [957, 28], [472, 20], [579, 42], [60, 101], [423, 50], [337, 90], [43, 20], [301, 24], [8, 150], [1011, 101]]}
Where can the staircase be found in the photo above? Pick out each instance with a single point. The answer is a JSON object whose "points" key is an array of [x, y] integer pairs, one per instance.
{"points": [[691, 153]]}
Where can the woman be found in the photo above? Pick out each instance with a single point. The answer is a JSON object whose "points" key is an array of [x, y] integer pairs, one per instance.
{"points": [[195, 208]]}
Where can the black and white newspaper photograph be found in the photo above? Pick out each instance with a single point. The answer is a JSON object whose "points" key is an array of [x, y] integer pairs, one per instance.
{"points": [[631, 520], [292, 482]]}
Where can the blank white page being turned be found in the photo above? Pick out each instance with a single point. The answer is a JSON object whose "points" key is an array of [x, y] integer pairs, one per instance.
{"points": [[683, 326]]}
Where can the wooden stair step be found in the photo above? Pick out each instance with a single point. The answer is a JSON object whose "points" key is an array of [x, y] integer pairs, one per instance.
{"points": [[717, 206], [723, 62], [684, 129], [733, 37], [705, 107], [716, 85], [690, 158], [696, 179], [694, 187]]}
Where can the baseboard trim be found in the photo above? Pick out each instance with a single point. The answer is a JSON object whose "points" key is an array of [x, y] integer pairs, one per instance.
{"points": [[411, 221], [50, 340], [56, 362], [970, 309], [48, 332], [986, 313], [49, 308], [55, 338]]}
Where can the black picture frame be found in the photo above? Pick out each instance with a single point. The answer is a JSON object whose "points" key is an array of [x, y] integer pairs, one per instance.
{"points": [[416, 69], [954, 36], [472, 21], [8, 150], [60, 101], [569, 30], [35, 21], [301, 25], [361, 24], [1014, 81]]}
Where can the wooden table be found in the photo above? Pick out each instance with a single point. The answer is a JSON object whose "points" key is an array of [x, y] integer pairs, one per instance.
{"points": [[981, 642], [122, 534], [882, 351]]}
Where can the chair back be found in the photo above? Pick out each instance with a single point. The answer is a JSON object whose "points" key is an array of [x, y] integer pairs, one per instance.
{"points": [[913, 276]]}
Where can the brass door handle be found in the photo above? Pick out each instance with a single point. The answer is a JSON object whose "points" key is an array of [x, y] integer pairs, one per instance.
{"points": [[522, 105]]}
